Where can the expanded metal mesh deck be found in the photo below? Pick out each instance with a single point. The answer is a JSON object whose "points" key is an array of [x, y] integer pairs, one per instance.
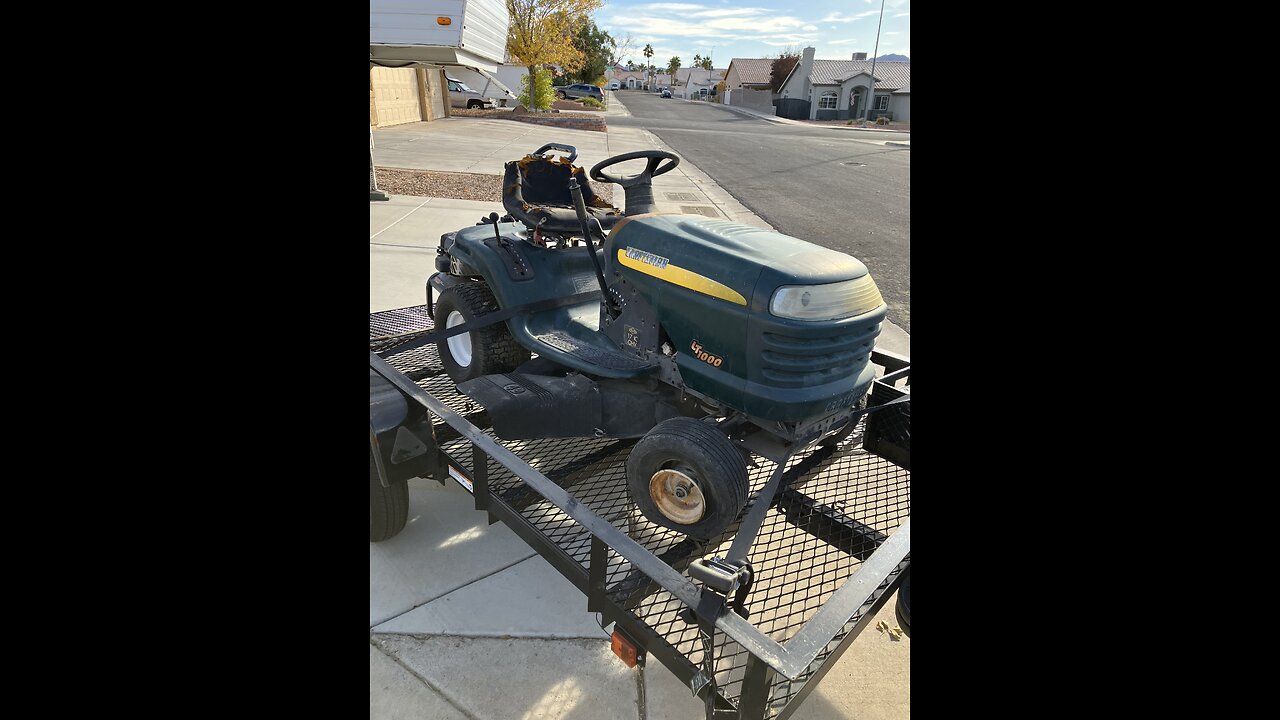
{"points": [[838, 506]]}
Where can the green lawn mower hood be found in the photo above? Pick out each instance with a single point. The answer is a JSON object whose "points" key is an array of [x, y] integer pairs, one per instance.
{"points": [[770, 324]]}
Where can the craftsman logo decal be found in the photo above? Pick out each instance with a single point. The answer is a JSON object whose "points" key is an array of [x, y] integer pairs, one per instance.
{"points": [[705, 356], [647, 258], [661, 268]]}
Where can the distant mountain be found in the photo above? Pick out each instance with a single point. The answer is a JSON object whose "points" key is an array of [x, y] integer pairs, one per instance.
{"points": [[894, 58]]}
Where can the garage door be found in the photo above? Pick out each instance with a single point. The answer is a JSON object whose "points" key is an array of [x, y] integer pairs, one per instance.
{"points": [[395, 95]]}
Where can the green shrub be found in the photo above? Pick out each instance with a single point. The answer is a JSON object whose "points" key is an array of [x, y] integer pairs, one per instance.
{"points": [[543, 94], [592, 102]]}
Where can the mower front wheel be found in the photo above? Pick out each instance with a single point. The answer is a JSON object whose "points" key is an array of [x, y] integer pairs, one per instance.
{"points": [[685, 475], [485, 351]]}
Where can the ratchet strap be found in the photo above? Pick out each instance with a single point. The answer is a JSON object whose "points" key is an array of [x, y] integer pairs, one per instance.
{"points": [[491, 319]]}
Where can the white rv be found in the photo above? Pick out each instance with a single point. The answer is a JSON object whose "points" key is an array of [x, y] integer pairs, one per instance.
{"points": [[466, 33]]}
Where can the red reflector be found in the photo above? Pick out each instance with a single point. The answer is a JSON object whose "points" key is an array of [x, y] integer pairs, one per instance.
{"points": [[623, 648]]}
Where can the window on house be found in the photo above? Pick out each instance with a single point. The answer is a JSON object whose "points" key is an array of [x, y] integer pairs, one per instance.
{"points": [[882, 102], [827, 101]]}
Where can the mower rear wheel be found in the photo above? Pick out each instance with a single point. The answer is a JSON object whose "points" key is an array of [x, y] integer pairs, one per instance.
{"points": [[685, 475], [481, 352]]}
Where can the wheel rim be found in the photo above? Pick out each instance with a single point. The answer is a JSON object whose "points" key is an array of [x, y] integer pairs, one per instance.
{"points": [[459, 345], [677, 496]]}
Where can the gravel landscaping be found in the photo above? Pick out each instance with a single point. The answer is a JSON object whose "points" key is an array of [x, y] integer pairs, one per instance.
{"points": [[454, 185]]}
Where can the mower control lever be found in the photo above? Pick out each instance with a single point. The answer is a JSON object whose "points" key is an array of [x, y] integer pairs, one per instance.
{"points": [[580, 207]]}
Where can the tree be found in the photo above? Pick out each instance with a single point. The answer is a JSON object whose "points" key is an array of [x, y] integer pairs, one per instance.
{"points": [[542, 94], [648, 53], [542, 31], [596, 47], [673, 65], [705, 64], [697, 61], [782, 65], [621, 49]]}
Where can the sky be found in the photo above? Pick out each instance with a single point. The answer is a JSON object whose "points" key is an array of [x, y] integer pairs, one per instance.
{"points": [[726, 29]]}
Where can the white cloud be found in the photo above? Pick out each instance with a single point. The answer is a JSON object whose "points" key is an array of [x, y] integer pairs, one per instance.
{"points": [[893, 33], [905, 14], [843, 42], [809, 28], [837, 17], [729, 13], [670, 6]]}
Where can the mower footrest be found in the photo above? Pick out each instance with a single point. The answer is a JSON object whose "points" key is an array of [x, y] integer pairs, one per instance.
{"points": [[601, 357]]}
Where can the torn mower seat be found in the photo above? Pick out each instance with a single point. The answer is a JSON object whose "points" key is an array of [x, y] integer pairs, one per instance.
{"points": [[536, 192]]}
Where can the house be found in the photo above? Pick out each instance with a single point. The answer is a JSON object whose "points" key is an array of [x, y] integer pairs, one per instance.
{"points": [[630, 79], [747, 83], [751, 73], [688, 81], [838, 89], [408, 59]]}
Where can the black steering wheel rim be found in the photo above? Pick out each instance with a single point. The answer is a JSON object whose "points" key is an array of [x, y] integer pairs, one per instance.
{"points": [[651, 169]]}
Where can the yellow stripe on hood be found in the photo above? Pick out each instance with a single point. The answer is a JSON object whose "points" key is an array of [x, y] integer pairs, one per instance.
{"points": [[684, 278]]}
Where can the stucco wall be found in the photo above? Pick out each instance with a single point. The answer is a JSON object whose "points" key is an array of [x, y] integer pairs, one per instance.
{"points": [[761, 100]]}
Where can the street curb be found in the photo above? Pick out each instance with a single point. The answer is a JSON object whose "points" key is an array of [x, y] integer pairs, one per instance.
{"points": [[906, 144]]}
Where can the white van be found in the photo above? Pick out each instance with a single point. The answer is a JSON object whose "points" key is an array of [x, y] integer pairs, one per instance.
{"points": [[615, 85], [461, 96]]}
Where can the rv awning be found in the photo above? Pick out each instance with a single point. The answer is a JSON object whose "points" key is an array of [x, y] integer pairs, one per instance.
{"points": [[398, 55]]}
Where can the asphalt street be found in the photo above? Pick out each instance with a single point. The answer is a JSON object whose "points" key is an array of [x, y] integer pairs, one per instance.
{"points": [[835, 187]]}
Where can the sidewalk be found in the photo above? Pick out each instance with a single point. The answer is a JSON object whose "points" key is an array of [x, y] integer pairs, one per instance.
{"points": [[465, 619], [788, 121]]}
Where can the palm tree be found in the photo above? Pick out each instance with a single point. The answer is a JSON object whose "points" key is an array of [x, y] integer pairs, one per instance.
{"points": [[673, 65], [648, 53]]}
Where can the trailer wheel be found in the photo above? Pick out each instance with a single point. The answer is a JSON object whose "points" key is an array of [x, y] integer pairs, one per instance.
{"points": [[482, 352], [903, 608], [388, 507], [685, 475]]}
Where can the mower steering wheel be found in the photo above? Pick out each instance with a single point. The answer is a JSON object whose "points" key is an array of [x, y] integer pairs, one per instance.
{"points": [[651, 169]]}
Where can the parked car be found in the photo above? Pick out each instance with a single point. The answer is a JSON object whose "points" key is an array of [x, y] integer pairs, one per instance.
{"points": [[569, 92], [461, 96], [615, 85], [666, 93]]}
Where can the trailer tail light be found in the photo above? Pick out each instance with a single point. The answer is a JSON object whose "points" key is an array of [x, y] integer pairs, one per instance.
{"points": [[443, 21], [624, 649]]}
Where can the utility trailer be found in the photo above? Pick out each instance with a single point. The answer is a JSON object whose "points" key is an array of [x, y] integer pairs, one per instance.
{"points": [[833, 545]]}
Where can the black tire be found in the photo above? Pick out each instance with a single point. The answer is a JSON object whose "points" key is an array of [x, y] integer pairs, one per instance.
{"points": [[493, 350], [388, 507], [903, 608], [561, 95], [474, 105], [844, 432], [704, 454]]}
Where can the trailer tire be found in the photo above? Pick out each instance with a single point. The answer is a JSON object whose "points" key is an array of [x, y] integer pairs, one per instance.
{"points": [[388, 506], [485, 351], [692, 451]]}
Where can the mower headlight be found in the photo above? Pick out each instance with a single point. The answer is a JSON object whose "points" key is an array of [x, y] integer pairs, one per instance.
{"points": [[826, 302]]}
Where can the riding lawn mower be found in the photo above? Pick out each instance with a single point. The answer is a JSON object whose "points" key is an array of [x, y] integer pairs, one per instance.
{"points": [[706, 339]]}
